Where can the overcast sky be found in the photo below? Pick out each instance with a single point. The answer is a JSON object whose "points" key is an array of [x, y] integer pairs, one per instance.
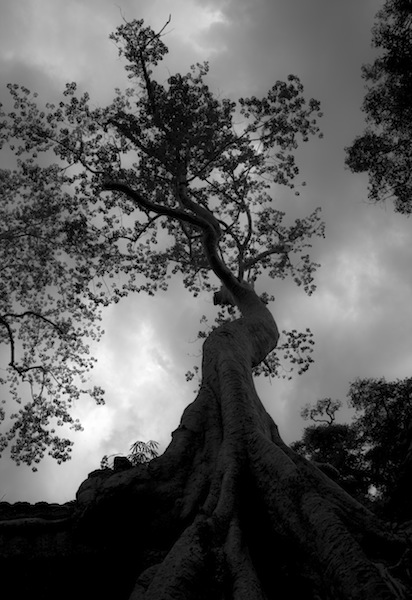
{"points": [[361, 312]]}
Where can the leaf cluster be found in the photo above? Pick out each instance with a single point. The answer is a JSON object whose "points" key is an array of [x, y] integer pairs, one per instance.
{"points": [[383, 426], [384, 149], [140, 452], [48, 318], [372, 451]]}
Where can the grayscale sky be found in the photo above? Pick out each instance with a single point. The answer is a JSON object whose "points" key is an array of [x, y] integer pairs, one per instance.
{"points": [[361, 312]]}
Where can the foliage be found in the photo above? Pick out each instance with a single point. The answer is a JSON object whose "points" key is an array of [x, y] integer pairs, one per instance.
{"points": [[383, 426], [369, 452], [47, 316], [104, 201], [140, 452], [384, 149], [334, 445]]}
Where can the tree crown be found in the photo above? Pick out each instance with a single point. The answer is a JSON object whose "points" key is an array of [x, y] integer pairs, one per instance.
{"points": [[167, 179], [384, 149]]}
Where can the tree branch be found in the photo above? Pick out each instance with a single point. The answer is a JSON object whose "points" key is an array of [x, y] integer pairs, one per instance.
{"points": [[278, 249], [31, 313], [174, 213], [20, 370], [128, 131], [203, 219], [11, 339], [149, 83]]}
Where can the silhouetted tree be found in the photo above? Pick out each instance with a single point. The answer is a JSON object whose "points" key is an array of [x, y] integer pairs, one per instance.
{"points": [[371, 454], [335, 448], [383, 427]]}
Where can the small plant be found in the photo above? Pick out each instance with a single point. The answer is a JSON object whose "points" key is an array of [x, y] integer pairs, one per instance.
{"points": [[140, 452]]}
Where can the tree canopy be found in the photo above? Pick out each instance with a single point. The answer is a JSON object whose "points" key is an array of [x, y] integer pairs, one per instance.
{"points": [[334, 447], [167, 180], [383, 426], [372, 453], [384, 149]]}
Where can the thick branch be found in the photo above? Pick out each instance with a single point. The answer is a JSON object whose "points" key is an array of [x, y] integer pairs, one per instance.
{"points": [[203, 219], [173, 213], [198, 209]]}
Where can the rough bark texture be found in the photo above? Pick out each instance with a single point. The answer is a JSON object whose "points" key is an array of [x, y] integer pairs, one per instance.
{"points": [[227, 512]]}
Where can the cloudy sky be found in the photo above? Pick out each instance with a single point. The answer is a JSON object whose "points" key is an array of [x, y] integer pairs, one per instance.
{"points": [[361, 312]]}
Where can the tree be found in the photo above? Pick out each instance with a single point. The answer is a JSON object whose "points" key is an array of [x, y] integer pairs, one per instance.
{"points": [[372, 453], [335, 448], [324, 411], [383, 427], [384, 149], [229, 510], [68, 250]]}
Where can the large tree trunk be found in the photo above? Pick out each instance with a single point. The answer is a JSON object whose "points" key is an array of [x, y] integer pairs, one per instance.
{"points": [[244, 515], [229, 511]]}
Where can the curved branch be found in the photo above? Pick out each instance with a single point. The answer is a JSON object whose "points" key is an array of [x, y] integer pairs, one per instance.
{"points": [[31, 313], [173, 213], [278, 249], [203, 219], [12, 363], [198, 209]]}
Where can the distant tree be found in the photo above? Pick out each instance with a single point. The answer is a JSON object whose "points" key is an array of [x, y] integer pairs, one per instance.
{"points": [[324, 411], [334, 447], [373, 453], [384, 149], [383, 427], [171, 179]]}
